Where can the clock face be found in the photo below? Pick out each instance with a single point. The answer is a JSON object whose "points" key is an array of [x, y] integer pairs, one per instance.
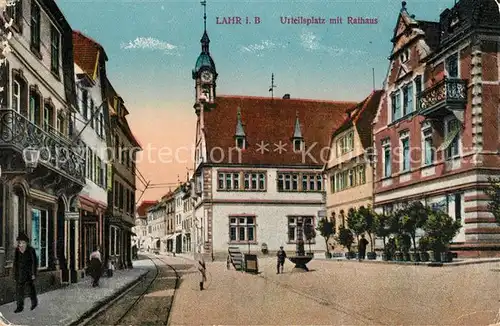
{"points": [[206, 76]]}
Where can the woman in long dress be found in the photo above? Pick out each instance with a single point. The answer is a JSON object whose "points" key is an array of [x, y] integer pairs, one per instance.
{"points": [[95, 266]]}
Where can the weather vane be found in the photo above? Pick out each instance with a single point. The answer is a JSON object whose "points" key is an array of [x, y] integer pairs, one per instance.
{"points": [[204, 4], [272, 87]]}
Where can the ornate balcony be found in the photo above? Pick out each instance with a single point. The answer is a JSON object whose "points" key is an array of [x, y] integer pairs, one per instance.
{"points": [[448, 95], [60, 169]]}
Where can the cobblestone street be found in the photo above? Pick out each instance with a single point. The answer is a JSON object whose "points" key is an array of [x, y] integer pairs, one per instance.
{"points": [[335, 292]]}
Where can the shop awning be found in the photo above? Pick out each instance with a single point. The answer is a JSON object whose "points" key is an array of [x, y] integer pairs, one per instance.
{"points": [[173, 235], [450, 138]]}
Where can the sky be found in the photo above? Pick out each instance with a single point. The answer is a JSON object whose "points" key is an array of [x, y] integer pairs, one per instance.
{"points": [[152, 46]]}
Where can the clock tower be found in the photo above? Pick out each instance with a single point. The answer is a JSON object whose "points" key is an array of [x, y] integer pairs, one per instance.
{"points": [[204, 72]]}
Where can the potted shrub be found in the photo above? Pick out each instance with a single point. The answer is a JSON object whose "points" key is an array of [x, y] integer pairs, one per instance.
{"points": [[368, 215], [440, 229], [264, 249], [403, 243], [423, 247], [326, 229], [346, 239]]}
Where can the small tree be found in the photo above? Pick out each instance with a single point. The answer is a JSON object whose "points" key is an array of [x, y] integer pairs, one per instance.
{"points": [[345, 238], [309, 234], [356, 222], [411, 218], [326, 229], [383, 227], [368, 215], [493, 191], [440, 229]]}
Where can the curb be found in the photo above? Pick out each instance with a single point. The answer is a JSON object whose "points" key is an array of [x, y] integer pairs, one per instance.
{"points": [[99, 304], [428, 264]]}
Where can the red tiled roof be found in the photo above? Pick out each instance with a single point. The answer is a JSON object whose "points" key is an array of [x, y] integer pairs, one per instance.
{"points": [[362, 115], [142, 208], [271, 121], [85, 52]]}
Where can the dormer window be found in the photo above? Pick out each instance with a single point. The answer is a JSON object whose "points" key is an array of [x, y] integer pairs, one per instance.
{"points": [[240, 142], [405, 55], [298, 145]]}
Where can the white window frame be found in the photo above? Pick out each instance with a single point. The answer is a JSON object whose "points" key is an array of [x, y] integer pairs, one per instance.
{"points": [[16, 97], [404, 136], [239, 223], [409, 109], [298, 145], [234, 179], [458, 138], [361, 175], [43, 264], [241, 145], [287, 180], [404, 56], [427, 134], [258, 177], [386, 145]]}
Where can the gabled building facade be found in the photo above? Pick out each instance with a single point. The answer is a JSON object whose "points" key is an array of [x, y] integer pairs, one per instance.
{"points": [[436, 131], [157, 227], [258, 166], [38, 103], [121, 200], [91, 123], [140, 239], [349, 169]]}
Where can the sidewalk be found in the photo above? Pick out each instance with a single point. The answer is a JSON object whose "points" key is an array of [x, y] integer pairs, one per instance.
{"points": [[455, 262], [66, 305]]}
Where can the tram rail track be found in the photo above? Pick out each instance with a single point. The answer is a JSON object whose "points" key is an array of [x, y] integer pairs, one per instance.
{"points": [[134, 296]]}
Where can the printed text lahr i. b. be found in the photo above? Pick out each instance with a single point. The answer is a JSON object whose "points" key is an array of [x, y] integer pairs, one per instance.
{"points": [[237, 20]]}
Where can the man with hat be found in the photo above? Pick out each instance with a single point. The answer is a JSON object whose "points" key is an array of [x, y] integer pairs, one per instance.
{"points": [[281, 259], [25, 271]]}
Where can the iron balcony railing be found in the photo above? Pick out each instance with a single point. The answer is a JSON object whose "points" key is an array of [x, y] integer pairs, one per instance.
{"points": [[56, 151], [450, 91]]}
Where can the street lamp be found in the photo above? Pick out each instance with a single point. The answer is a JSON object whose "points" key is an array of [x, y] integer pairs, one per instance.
{"points": [[31, 157]]}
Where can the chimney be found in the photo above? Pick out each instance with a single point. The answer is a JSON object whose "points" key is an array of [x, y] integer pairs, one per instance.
{"points": [[286, 96]]}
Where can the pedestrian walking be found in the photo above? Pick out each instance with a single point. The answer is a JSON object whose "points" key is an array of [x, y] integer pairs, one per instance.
{"points": [[203, 272], [281, 255], [25, 272], [111, 267], [362, 247], [95, 266]]}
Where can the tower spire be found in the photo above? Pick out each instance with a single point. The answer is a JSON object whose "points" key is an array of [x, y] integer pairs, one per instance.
{"points": [[272, 87], [205, 41]]}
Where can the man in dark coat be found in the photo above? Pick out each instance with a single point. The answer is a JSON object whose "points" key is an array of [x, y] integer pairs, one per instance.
{"points": [[281, 255], [362, 247], [25, 271]]}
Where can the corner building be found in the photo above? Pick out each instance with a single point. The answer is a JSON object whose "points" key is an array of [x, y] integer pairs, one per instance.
{"points": [[436, 131]]}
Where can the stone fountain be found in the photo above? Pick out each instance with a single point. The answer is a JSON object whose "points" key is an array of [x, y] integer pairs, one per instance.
{"points": [[300, 259]]}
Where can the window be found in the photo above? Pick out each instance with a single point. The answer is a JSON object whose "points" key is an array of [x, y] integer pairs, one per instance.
{"points": [[407, 99], [85, 110], [297, 145], [361, 178], [458, 207], [60, 124], [48, 113], [242, 229], [332, 184], [428, 149], [54, 50], [452, 138], [40, 235], [35, 26], [91, 112], [386, 148], [405, 55], [451, 66], [345, 144], [101, 125], [240, 142], [228, 181], [405, 151], [288, 182], [15, 12], [294, 223], [396, 105], [34, 108], [16, 96]]}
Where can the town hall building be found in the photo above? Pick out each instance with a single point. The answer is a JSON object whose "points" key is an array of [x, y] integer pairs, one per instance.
{"points": [[258, 165]]}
